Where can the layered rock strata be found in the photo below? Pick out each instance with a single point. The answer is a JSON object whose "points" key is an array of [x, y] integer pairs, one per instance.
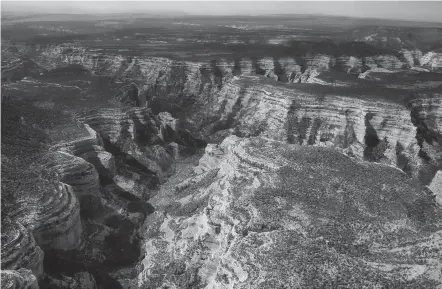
{"points": [[18, 279], [103, 161], [90, 148], [19, 249], [405, 134], [139, 135], [52, 213], [71, 170], [290, 68], [184, 89], [263, 214]]}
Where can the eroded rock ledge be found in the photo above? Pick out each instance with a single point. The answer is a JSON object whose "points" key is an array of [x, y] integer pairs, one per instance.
{"points": [[88, 201], [243, 196], [399, 127], [52, 213], [264, 214], [19, 249], [20, 279]]}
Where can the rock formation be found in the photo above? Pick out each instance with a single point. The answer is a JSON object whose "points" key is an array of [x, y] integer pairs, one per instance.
{"points": [[20, 279], [72, 170], [19, 249], [321, 167], [264, 214], [366, 129], [436, 186], [52, 213], [349, 59]]}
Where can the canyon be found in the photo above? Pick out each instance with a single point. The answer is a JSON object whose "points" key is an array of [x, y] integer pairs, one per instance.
{"points": [[125, 169]]}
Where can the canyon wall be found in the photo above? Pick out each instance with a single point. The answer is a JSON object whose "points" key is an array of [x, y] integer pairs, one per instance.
{"points": [[215, 98], [88, 198], [257, 213], [91, 198]]}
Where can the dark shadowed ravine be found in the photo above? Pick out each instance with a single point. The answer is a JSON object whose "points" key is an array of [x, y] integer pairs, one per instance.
{"points": [[230, 152]]}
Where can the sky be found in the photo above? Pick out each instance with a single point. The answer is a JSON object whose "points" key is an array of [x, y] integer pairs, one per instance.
{"points": [[403, 10]]}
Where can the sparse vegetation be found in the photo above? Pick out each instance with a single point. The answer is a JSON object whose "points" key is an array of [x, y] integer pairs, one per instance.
{"points": [[289, 215]]}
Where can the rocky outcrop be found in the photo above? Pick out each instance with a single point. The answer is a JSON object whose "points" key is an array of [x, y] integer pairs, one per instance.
{"points": [[19, 249], [137, 134], [431, 60], [263, 214], [18, 279], [133, 137], [80, 144], [197, 93], [58, 224], [436, 187], [103, 161], [71, 170], [90, 149], [52, 213], [216, 223], [404, 134], [354, 59]]}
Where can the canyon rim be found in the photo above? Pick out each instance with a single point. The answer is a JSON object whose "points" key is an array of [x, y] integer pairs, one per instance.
{"points": [[173, 150]]}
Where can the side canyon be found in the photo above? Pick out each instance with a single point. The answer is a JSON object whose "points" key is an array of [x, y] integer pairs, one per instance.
{"points": [[320, 167]]}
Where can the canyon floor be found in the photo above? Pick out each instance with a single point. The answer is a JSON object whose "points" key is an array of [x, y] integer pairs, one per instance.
{"points": [[220, 152]]}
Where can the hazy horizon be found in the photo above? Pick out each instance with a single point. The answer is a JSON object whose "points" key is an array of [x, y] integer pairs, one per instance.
{"points": [[395, 10]]}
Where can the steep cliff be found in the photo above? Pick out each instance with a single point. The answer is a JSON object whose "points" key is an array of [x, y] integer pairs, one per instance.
{"points": [[395, 125], [253, 211], [401, 132], [352, 58], [19, 249], [78, 190], [52, 213], [72, 170]]}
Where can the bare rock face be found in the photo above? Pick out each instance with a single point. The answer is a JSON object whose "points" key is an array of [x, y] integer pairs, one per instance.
{"points": [[52, 213], [139, 136], [432, 60], [118, 125], [263, 214], [132, 95], [58, 225], [436, 187], [90, 149], [367, 129], [19, 249], [147, 69], [412, 57], [133, 137], [71, 170], [103, 161], [80, 145], [404, 134], [18, 279]]}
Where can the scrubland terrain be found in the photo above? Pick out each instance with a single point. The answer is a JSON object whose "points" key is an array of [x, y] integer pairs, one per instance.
{"points": [[221, 152]]}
